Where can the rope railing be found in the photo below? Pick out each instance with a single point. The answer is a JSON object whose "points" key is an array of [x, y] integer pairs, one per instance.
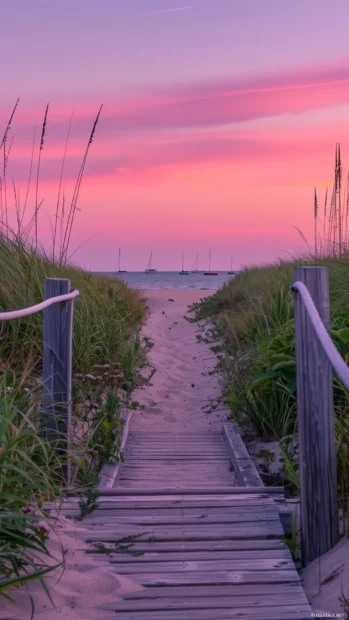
{"points": [[334, 357], [57, 354], [18, 314]]}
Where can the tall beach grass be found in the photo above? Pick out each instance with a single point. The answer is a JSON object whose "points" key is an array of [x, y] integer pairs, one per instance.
{"points": [[107, 356]]}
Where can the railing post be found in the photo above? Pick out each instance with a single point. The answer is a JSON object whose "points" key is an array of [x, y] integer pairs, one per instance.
{"points": [[317, 451], [57, 370]]}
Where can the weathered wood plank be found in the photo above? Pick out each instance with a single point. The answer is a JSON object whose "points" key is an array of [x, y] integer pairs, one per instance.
{"points": [[317, 449], [195, 491], [209, 602], [264, 613], [235, 512], [251, 517], [204, 566], [218, 577], [192, 556], [266, 529], [236, 590], [245, 471], [57, 370], [263, 545], [109, 473]]}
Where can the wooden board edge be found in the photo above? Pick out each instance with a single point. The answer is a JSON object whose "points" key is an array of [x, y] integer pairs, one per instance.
{"points": [[245, 471], [109, 473]]}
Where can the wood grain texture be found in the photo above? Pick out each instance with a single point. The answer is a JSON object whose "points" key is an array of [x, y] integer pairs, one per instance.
{"points": [[57, 369], [317, 453], [202, 548], [110, 473]]}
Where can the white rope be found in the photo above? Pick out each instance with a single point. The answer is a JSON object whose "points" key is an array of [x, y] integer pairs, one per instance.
{"points": [[18, 314], [332, 353]]}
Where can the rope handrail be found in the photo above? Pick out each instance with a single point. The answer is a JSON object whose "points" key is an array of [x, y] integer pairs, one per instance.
{"points": [[332, 353], [18, 314]]}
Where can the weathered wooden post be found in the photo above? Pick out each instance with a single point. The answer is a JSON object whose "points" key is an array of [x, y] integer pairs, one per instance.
{"points": [[317, 452], [57, 369]]}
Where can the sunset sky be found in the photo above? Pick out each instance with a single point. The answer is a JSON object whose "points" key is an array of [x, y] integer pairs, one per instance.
{"points": [[219, 118]]}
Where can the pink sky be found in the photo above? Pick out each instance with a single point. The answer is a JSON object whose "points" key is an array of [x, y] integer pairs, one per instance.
{"points": [[218, 120]]}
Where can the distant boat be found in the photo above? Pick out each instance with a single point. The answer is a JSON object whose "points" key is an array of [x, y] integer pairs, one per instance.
{"points": [[195, 266], [231, 272], [183, 272], [149, 268], [121, 270], [209, 272]]}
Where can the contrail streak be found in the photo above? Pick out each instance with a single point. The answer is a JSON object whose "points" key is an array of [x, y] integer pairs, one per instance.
{"points": [[180, 8]]}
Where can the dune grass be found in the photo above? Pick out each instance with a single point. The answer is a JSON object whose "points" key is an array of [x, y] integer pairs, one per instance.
{"points": [[253, 316], [107, 356]]}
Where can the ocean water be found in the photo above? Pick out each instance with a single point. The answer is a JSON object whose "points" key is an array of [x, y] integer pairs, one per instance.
{"points": [[172, 280]]}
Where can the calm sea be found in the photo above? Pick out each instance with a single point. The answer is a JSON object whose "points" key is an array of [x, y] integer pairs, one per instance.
{"points": [[172, 280]]}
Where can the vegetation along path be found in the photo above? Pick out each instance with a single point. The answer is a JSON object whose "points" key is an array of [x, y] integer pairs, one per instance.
{"points": [[202, 548]]}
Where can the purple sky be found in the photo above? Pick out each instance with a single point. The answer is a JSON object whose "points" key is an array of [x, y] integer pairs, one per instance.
{"points": [[187, 94]]}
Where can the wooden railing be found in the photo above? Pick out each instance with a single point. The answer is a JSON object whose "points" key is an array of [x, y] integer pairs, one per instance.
{"points": [[57, 361], [315, 356]]}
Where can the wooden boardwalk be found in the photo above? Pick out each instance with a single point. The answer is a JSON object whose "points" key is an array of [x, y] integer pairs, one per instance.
{"points": [[176, 459], [202, 553]]}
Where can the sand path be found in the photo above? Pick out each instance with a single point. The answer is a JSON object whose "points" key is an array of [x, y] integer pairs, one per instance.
{"points": [[184, 386]]}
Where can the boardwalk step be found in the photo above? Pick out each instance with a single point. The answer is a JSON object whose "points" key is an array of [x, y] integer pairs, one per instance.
{"points": [[201, 547]]}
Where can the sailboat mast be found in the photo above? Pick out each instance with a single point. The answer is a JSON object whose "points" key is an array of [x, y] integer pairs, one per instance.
{"points": [[209, 260], [183, 261]]}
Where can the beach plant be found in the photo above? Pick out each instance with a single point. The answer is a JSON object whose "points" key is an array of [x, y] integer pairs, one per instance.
{"points": [[27, 464], [107, 356], [253, 315]]}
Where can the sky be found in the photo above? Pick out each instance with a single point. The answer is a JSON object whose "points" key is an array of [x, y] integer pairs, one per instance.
{"points": [[219, 118]]}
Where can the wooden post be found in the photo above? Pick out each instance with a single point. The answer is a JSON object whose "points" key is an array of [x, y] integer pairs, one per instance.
{"points": [[57, 369], [317, 451]]}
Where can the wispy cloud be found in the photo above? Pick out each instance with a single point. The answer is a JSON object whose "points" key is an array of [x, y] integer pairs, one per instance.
{"points": [[173, 10]]}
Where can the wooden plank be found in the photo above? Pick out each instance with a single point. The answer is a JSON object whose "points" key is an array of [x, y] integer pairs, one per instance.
{"points": [[176, 501], [211, 566], [180, 520], [188, 458], [245, 471], [194, 491], [57, 370], [317, 449], [266, 529], [235, 512], [210, 478], [208, 602], [109, 473], [182, 506], [248, 613], [224, 545], [150, 556], [218, 577], [236, 590]]}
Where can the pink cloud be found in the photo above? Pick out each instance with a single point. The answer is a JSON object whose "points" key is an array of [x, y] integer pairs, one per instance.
{"points": [[203, 105]]}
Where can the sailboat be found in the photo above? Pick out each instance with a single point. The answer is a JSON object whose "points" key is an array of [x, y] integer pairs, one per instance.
{"points": [[209, 272], [231, 272], [120, 270], [183, 272], [149, 268], [195, 266]]}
